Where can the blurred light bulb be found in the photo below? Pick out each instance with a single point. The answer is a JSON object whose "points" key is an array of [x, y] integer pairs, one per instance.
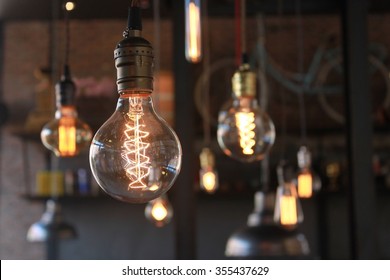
{"points": [[69, 6], [288, 212], [307, 181], [66, 135], [159, 211], [245, 132], [193, 30], [135, 156], [208, 175]]}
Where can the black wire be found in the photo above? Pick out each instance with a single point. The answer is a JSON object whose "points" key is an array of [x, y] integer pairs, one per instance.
{"points": [[67, 36]]}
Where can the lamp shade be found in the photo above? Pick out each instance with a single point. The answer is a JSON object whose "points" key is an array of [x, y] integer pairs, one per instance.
{"points": [[262, 238], [51, 225]]}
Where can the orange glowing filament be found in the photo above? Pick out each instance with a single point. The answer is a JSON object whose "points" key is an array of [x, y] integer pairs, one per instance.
{"points": [[67, 136], [288, 210], [194, 32], [136, 161], [305, 185], [245, 124]]}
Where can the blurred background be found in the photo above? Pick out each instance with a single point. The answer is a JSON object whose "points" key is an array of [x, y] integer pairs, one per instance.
{"points": [[334, 54]]}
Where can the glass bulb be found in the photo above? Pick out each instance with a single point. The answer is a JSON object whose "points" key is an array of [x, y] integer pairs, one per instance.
{"points": [[66, 135], [288, 212], [135, 156], [307, 180], [245, 132], [159, 211], [209, 180], [193, 31]]}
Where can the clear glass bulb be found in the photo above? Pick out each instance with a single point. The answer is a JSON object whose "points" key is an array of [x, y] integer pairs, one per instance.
{"points": [[307, 182], [135, 156], [66, 135], [159, 211], [288, 212], [245, 132], [193, 41]]}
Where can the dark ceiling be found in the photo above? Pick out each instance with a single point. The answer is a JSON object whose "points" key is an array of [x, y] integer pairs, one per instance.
{"points": [[97, 9], [111, 9]]}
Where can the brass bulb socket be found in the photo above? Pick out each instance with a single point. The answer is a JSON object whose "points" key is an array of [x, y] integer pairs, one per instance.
{"points": [[244, 82], [134, 61], [207, 158]]}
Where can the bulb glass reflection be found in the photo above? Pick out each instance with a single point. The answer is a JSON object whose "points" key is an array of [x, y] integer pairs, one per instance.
{"points": [[193, 31], [159, 211], [288, 212], [135, 156], [245, 132], [66, 135]]}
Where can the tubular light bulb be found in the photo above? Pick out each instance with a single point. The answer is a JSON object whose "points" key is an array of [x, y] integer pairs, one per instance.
{"points": [[193, 30], [245, 132], [135, 156], [208, 175], [307, 181], [159, 211], [288, 212], [66, 135]]}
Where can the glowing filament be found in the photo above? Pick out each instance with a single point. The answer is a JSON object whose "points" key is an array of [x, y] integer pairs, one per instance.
{"points": [[193, 32], [137, 163], [159, 211], [305, 185], [209, 181], [245, 124], [67, 136], [288, 210]]}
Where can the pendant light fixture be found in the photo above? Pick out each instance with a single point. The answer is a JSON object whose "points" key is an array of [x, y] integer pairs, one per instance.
{"points": [[193, 36], [307, 180], [135, 156], [66, 135], [159, 211], [288, 211], [208, 175], [245, 132]]}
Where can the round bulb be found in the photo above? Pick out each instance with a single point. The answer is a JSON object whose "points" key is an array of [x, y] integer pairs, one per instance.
{"points": [[159, 211], [66, 135], [245, 132], [135, 156]]}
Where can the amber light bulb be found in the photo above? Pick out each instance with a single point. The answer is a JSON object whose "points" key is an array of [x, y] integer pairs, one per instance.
{"points": [[159, 211], [245, 132], [135, 156], [307, 180], [208, 175], [193, 41], [66, 135]]}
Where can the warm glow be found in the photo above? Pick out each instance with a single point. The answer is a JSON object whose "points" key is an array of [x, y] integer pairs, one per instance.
{"points": [[193, 32], [209, 181], [154, 187], [245, 125], [159, 211], [305, 185], [67, 136], [288, 210], [69, 6], [136, 162]]}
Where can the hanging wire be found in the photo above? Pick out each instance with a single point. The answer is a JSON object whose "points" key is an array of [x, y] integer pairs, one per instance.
{"points": [[157, 51], [67, 35], [237, 16], [300, 60], [242, 26], [206, 80]]}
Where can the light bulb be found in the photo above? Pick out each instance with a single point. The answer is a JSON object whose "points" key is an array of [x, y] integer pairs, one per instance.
{"points": [[245, 132], [307, 180], [159, 211], [288, 212], [208, 176], [66, 135], [135, 156], [193, 42]]}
